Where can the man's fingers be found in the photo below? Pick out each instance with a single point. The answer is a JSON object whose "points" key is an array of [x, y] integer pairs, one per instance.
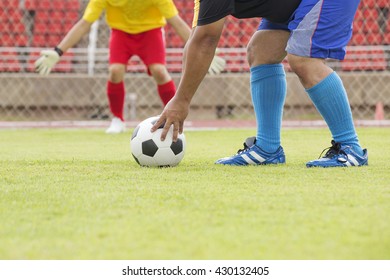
{"points": [[39, 62], [41, 67], [43, 70], [212, 70], [217, 65], [181, 127], [165, 130], [46, 61], [176, 129], [38, 67], [46, 71], [163, 123], [159, 123]]}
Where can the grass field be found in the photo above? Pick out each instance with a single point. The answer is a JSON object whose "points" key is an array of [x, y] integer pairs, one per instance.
{"points": [[78, 194]]}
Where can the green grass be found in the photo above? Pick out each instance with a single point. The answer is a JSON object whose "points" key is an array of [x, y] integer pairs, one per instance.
{"points": [[78, 194]]}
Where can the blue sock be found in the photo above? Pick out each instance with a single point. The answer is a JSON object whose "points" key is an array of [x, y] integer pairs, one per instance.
{"points": [[268, 89], [330, 98]]}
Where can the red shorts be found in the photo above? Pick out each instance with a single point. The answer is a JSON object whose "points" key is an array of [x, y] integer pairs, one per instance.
{"points": [[149, 46]]}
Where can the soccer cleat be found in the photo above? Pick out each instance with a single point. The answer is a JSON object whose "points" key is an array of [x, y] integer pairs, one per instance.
{"points": [[339, 155], [116, 126], [253, 155]]}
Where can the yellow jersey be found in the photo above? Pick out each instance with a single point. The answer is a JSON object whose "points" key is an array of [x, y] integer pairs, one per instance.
{"points": [[131, 16]]}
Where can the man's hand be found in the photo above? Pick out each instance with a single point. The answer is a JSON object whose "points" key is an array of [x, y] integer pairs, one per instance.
{"points": [[46, 62], [175, 112], [217, 65]]}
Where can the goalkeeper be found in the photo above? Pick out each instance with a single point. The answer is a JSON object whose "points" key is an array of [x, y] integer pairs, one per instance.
{"points": [[136, 29]]}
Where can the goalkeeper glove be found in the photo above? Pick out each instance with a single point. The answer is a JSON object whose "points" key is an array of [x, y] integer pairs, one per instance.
{"points": [[47, 61], [217, 65]]}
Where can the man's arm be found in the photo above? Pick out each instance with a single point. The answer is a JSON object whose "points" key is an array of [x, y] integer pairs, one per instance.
{"points": [[49, 58], [183, 30], [180, 26], [75, 34], [199, 53]]}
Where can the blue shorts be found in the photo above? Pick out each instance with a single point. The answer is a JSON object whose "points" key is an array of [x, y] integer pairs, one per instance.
{"points": [[319, 28]]}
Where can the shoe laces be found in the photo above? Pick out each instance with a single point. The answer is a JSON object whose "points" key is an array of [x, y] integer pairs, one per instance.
{"points": [[249, 142], [333, 150], [240, 151]]}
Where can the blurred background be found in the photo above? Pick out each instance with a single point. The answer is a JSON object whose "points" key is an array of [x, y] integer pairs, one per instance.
{"points": [[76, 89]]}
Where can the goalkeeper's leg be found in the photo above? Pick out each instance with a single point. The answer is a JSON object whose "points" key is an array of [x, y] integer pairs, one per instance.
{"points": [[153, 55], [116, 97], [165, 86]]}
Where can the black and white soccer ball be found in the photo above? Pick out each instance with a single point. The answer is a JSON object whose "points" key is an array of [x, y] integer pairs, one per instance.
{"points": [[148, 149]]}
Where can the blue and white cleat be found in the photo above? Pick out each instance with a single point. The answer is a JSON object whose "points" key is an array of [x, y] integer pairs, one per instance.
{"points": [[339, 155], [253, 155]]}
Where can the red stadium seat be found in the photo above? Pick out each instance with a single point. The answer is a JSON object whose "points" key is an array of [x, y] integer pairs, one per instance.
{"points": [[31, 60], [52, 21], [364, 60], [10, 39], [65, 63], [14, 15], [14, 29], [42, 16], [18, 27], [57, 16], [9, 61], [20, 39], [57, 28], [39, 40], [359, 14], [358, 39], [370, 13], [31, 5], [173, 40], [386, 39], [53, 39], [374, 38], [383, 3], [9, 3], [43, 5], [71, 17], [66, 26], [388, 25], [3, 15], [6, 39], [371, 25], [72, 5], [59, 5], [246, 38], [40, 28], [358, 25], [180, 6], [379, 60], [368, 3]]}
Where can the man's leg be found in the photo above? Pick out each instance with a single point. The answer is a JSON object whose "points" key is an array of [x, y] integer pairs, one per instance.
{"points": [[266, 51], [321, 29], [120, 52], [116, 97], [152, 54], [165, 86], [268, 85], [328, 94]]}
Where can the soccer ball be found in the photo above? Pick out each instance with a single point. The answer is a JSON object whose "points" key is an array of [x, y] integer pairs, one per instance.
{"points": [[149, 150]]}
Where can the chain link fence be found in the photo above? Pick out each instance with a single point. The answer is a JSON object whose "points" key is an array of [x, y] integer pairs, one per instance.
{"points": [[76, 89]]}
